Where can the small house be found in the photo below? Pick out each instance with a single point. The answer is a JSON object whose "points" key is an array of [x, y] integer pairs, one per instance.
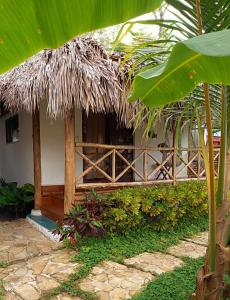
{"points": [[66, 126]]}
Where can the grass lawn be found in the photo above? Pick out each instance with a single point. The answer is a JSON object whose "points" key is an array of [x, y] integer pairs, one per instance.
{"points": [[91, 251]]}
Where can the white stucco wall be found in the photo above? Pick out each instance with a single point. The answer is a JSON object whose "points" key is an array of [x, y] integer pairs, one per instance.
{"points": [[16, 159], [52, 148]]}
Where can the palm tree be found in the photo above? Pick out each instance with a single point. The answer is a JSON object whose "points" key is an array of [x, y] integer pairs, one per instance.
{"points": [[195, 18]]}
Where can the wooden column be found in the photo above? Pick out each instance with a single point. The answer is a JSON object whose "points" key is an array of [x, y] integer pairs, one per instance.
{"points": [[69, 160], [145, 165], [37, 158], [174, 168]]}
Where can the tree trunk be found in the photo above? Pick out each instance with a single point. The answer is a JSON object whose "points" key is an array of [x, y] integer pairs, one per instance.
{"points": [[210, 285], [227, 175], [210, 278]]}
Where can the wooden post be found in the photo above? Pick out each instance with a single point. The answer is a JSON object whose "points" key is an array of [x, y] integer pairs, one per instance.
{"points": [[37, 158], [69, 160], [114, 165], [145, 165], [174, 170], [198, 162]]}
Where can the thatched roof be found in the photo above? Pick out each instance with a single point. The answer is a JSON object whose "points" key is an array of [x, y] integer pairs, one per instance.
{"points": [[79, 73]]}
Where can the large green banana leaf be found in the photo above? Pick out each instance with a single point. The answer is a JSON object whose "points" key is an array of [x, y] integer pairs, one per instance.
{"points": [[204, 58], [27, 26]]}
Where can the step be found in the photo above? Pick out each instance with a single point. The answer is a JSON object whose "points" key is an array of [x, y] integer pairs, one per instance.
{"points": [[44, 225]]}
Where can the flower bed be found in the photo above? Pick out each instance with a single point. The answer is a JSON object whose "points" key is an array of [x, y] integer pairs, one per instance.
{"points": [[160, 207]]}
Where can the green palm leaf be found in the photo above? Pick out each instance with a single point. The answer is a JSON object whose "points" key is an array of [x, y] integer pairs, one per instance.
{"points": [[28, 26], [204, 58]]}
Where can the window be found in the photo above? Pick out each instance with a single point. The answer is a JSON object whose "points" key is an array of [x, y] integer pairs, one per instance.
{"points": [[12, 130]]}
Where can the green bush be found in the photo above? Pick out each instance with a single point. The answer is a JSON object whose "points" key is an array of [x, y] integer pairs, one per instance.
{"points": [[161, 206], [14, 200]]}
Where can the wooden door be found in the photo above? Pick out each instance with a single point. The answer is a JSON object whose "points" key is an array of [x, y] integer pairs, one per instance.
{"points": [[94, 127], [104, 129], [120, 135]]}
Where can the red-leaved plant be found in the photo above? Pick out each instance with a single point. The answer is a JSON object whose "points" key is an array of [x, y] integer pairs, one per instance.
{"points": [[83, 220]]}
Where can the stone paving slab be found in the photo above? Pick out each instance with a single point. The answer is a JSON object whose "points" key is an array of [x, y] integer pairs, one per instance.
{"points": [[113, 281], [187, 249], [29, 280], [20, 241], [11, 296], [156, 262], [65, 296], [200, 239]]}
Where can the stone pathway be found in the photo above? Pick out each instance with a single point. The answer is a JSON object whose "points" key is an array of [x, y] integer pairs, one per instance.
{"points": [[155, 263], [200, 239], [64, 296], [113, 281], [20, 241], [35, 263], [187, 249]]}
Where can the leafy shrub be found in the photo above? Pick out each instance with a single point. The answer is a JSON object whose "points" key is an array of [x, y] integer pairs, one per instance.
{"points": [[83, 220], [124, 211], [162, 206], [15, 199]]}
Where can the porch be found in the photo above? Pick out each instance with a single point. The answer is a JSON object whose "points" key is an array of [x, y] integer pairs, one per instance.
{"points": [[108, 167]]}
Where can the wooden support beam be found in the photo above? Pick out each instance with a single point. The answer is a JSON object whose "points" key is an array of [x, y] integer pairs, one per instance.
{"points": [[174, 168], [37, 158], [69, 160], [114, 165], [145, 165]]}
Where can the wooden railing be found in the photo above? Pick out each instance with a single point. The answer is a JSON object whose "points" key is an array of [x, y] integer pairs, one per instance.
{"points": [[116, 165]]}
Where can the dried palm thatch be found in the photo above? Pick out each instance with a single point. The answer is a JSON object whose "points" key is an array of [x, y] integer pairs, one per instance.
{"points": [[80, 73]]}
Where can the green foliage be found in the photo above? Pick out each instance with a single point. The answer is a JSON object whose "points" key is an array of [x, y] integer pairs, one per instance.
{"points": [[200, 59], [83, 220], [176, 285], [161, 206], [28, 26], [116, 247], [4, 264], [15, 198], [215, 16], [124, 211], [8, 193], [1, 290]]}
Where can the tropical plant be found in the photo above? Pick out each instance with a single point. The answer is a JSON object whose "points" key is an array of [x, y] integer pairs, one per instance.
{"points": [[200, 59], [193, 18], [160, 207], [15, 199], [28, 26], [151, 51], [83, 220]]}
